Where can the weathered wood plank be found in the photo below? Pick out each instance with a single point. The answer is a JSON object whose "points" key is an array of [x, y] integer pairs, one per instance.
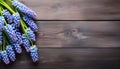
{"points": [[70, 59], [78, 34], [75, 9]]}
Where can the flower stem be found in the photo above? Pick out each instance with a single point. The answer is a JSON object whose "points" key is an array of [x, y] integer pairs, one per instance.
{"points": [[7, 6]]}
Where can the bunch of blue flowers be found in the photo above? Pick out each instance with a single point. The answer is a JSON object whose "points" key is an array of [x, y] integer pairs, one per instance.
{"points": [[17, 29]]}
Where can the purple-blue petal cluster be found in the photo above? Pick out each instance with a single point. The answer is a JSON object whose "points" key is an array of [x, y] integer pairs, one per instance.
{"points": [[1, 37], [11, 32], [34, 53], [29, 21], [16, 19], [11, 53], [5, 57], [24, 9], [26, 42], [17, 48], [1, 23], [7, 15], [30, 34]]}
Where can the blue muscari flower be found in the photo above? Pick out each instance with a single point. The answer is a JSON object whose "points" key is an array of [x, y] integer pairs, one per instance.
{"points": [[14, 27], [19, 36], [0, 38], [17, 48], [16, 19], [30, 34], [34, 53], [11, 53], [24, 9], [5, 57], [26, 43], [11, 32], [7, 15], [1, 23], [29, 21]]}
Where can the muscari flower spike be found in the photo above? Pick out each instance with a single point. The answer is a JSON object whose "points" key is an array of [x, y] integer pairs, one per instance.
{"points": [[24, 9], [34, 53], [5, 57], [11, 32], [26, 42], [17, 48], [16, 19], [19, 36], [30, 34], [11, 53], [7, 15], [1, 23], [1, 38], [29, 21]]}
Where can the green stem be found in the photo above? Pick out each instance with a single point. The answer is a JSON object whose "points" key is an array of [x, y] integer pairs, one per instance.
{"points": [[0, 47], [7, 43], [7, 6], [24, 27]]}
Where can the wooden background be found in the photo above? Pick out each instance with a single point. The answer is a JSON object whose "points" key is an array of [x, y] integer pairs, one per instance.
{"points": [[67, 44]]}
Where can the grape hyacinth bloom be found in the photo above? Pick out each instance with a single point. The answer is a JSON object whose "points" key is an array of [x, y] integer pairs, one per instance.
{"points": [[34, 53], [16, 19], [19, 36], [10, 52], [17, 48], [5, 57], [30, 34], [7, 15], [24, 9], [11, 32], [1, 23], [26, 43], [29, 21], [0, 38]]}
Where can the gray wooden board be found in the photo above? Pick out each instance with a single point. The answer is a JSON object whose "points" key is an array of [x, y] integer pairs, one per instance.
{"points": [[69, 58], [78, 34], [75, 9]]}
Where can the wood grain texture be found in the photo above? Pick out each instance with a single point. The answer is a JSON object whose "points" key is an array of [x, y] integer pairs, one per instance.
{"points": [[75, 9], [66, 58], [78, 34], [74, 45]]}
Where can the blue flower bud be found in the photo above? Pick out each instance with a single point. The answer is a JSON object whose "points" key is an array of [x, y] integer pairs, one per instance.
{"points": [[1, 23], [17, 48], [11, 32], [7, 15], [30, 34], [5, 57], [1, 38], [11, 53], [16, 19], [29, 21], [24, 9], [26, 43], [34, 53]]}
